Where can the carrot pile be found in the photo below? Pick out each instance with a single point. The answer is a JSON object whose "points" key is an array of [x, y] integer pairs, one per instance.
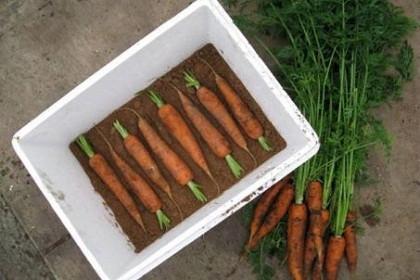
{"points": [[306, 227], [142, 187]]}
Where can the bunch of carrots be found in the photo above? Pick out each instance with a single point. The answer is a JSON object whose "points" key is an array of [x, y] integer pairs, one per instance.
{"points": [[337, 65], [306, 226], [173, 162]]}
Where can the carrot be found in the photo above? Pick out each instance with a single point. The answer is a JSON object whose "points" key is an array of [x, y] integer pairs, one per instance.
{"points": [[140, 187], [251, 125], [214, 139], [280, 207], [143, 158], [309, 256], [319, 262], [313, 242], [295, 239], [174, 122], [101, 167], [213, 104], [350, 236], [172, 161], [264, 204], [335, 252], [314, 196]]}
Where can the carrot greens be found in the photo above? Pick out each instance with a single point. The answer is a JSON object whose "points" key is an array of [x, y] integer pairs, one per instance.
{"points": [[338, 59]]}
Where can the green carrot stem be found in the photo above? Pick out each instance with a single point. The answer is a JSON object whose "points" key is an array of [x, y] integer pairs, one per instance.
{"points": [[191, 80], [156, 98], [164, 221], [265, 144], [121, 129], [196, 189], [234, 166], [85, 145]]}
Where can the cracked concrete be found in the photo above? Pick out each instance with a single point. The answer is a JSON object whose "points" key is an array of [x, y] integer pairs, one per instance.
{"points": [[48, 47]]}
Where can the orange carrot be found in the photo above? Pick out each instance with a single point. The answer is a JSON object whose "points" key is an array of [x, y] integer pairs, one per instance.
{"points": [[251, 125], [296, 226], [172, 161], [143, 158], [276, 214], [101, 167], [213, 104], [175, 123], [140, 187], [264, 204], [314, 196], [350, 236], [314, 202], [335, 252], [309, 256], [319, 262], [214, 139]]}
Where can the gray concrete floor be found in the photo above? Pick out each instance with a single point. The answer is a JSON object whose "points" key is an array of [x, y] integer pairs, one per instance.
{"points": [[48, 47]]}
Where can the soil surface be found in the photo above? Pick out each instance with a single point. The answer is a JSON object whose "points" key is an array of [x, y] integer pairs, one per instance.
{"points": [[147, 109]]}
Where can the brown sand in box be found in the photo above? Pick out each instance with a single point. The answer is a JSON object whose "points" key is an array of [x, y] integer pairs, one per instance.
{"points": [[148, 110]]}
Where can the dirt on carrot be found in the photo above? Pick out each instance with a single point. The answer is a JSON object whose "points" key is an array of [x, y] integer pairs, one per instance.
{"points": [[145, 107]]}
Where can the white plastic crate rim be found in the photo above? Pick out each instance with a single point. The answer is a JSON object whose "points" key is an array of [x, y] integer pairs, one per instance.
{"points": [[42, 144]]}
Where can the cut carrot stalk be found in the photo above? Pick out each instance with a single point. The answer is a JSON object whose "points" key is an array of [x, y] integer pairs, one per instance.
{"points": [[101, 167], [215, 106], [140, 187], [280, 207], [296, 226], [251, 125], [214, 139], [174, 122], [143, 158], [172, 161]]}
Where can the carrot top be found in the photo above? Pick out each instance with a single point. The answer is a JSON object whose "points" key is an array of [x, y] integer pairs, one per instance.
{"points": [[85, 145], [191, 80], [164, 221], [265, 144], [234, 166], [196, 189], [121, 129], [156, 98]]}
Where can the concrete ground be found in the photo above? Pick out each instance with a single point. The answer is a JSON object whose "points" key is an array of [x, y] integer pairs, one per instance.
{"points": [[47, 47]]}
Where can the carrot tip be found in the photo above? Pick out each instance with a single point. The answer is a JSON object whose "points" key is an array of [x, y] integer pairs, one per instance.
{"points": [[176, 205], [195, 188], [215, 183], [253, 157], [234, 166], [265, 144], [164, 221]]}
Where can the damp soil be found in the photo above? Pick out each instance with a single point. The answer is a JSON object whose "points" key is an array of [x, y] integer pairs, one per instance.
{"points": [[145, 107]]}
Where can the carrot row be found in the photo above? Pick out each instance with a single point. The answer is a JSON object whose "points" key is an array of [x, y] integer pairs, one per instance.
{"points": [[179, 170]]}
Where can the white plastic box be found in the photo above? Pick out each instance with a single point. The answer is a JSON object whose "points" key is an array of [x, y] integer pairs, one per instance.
{"points": [[43, 144]]}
